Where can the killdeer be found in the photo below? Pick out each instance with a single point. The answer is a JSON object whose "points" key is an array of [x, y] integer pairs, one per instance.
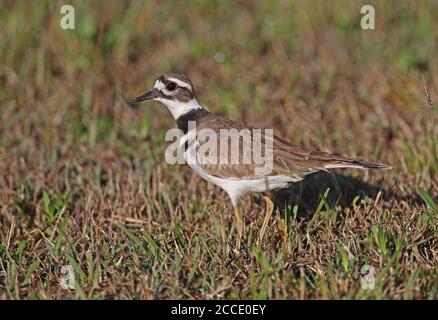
{"points": [[290, 163]]}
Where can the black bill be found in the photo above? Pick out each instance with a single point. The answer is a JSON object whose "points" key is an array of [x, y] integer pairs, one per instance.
{"points": [[147, 96]]}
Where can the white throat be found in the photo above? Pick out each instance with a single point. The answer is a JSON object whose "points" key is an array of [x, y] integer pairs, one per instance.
{"points": [[178, 108]]}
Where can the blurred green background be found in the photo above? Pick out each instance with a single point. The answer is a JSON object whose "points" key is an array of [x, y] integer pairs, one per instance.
{"points": [[82, 174], [285, 52]]}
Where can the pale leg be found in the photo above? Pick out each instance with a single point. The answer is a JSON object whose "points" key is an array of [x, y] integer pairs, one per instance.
{"points": [[268, 215], [239, 226]]}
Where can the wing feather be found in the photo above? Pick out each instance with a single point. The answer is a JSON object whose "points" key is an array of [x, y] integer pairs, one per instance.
{"points": [[288, 159]]}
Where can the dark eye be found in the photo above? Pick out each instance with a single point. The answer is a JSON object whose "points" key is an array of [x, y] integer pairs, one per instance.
{"points": [[171, 86]]}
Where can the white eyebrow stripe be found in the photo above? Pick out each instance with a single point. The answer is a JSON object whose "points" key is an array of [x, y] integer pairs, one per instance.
{"points": [[180, 83]]}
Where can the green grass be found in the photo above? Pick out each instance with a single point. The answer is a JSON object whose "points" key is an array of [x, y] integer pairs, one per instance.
{"points": [[84, 184]]}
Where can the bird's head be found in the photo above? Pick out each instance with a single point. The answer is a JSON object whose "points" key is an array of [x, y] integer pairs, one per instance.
{"points": [[175, 91]]}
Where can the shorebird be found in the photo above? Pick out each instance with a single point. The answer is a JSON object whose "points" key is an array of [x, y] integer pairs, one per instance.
{"points": [[290, 163]]}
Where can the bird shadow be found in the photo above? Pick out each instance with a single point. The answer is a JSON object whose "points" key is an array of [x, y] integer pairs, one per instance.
{"points": [[344, 191]]}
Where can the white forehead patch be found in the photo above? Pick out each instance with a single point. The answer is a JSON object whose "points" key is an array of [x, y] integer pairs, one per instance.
{"points": [[159, 85]]}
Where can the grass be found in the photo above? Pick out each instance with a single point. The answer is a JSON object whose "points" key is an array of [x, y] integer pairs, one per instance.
{"points": [[84, 184]]}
